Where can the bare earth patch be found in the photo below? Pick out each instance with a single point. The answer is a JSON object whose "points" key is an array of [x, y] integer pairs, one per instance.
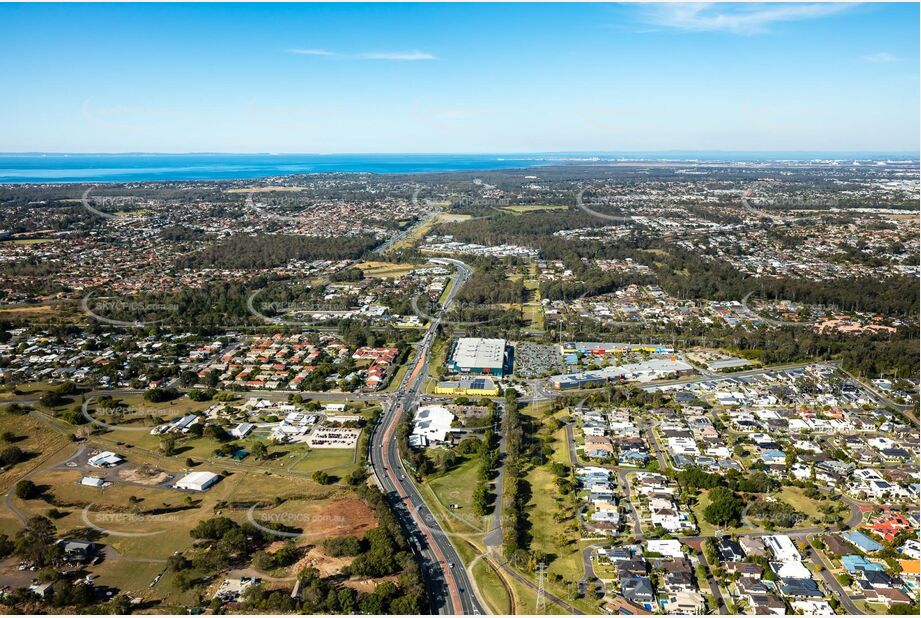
{"points": [[143, 475]]}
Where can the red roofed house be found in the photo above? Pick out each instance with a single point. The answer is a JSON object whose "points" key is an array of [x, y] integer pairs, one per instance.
{"points": [[890, 525]]}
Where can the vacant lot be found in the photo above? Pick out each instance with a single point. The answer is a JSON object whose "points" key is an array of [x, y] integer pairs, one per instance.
{"points": [[524, 208], [39, 441], [383, 270], [456, 487]]}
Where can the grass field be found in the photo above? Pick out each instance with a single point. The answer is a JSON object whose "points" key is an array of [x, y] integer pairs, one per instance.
{"points": [[30, 241], [533, 314], [525, 208], [548, 536], [420, 230], [492, 589], [456, 487], [795, 497], [150, 523], [27, 311], [383, 270], [791, 495], [35, 438], [336, 462]]}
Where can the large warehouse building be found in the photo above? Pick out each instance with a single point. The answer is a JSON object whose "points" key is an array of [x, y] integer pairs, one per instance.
{"points": [[197, 481], [479, 356]]}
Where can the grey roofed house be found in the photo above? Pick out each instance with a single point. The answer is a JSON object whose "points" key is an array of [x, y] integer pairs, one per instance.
{"points": [[834, 544], [800, 588], [77, 550], [620, 554], [750, 585], [674, 565], [744, 568], [729, 550], [767, 604], [637, 589], [631, 568], [834, 466], [679, 580], [895, 453], [878, 579], [729, 464], [752, 545]]}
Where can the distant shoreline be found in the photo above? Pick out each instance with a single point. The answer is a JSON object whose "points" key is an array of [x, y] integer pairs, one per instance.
{"points": [[55, 168]]}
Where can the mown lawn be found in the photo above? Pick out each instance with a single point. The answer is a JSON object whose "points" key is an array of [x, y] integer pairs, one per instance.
{"points": [[456, 487], [491, 588]]}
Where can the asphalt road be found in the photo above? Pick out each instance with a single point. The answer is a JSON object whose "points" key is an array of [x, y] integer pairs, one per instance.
{"points": [[832, 583], [449, 585], [714, 587]]}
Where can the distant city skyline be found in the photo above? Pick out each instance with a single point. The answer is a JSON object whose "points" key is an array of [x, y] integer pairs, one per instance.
{"points": [[436, 78]]}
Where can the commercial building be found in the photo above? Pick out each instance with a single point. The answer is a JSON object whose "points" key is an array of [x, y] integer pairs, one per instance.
{"points": [[477, 387], [480, 356], [595, 348], [197, 481], [431, 425], [644, 371]]}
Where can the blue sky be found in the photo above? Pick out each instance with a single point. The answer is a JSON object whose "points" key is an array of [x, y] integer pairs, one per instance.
{"points": [[458, 78]]}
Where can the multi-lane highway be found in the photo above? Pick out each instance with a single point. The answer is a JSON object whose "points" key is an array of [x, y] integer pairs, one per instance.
{"points": [[449, 586]]}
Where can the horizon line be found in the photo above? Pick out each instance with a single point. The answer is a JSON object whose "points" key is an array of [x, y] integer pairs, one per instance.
{"points": [[459, 153]]}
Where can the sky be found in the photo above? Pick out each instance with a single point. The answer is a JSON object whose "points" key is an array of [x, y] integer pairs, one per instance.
{"points": [[447, 78]]}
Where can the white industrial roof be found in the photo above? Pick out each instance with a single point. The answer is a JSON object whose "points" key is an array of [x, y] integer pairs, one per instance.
{"points": [[196, 479], [477, 352]]}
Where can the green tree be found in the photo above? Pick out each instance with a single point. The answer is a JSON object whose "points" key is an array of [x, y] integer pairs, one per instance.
{"points": [[26, 490]]}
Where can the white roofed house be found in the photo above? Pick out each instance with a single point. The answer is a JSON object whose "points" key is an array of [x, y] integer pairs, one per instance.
{"points": [[242, 430], [665, 547], [105, 459], [782, 547]]}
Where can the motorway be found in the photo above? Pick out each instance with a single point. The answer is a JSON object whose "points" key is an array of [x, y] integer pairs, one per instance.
{"points": [[449, 585]]}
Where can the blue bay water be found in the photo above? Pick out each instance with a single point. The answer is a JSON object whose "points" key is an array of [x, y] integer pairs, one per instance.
{"points": [[61, 168], [50, 168]]}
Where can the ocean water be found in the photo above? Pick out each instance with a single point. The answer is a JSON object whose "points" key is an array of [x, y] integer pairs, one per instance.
{"points": [[60, 168], [51, 168]]}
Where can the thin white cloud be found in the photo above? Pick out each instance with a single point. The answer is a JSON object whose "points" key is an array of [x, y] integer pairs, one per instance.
{"points": [[744, 19], [399, 56], [879, 57], [311, 52], [402, 56]]}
